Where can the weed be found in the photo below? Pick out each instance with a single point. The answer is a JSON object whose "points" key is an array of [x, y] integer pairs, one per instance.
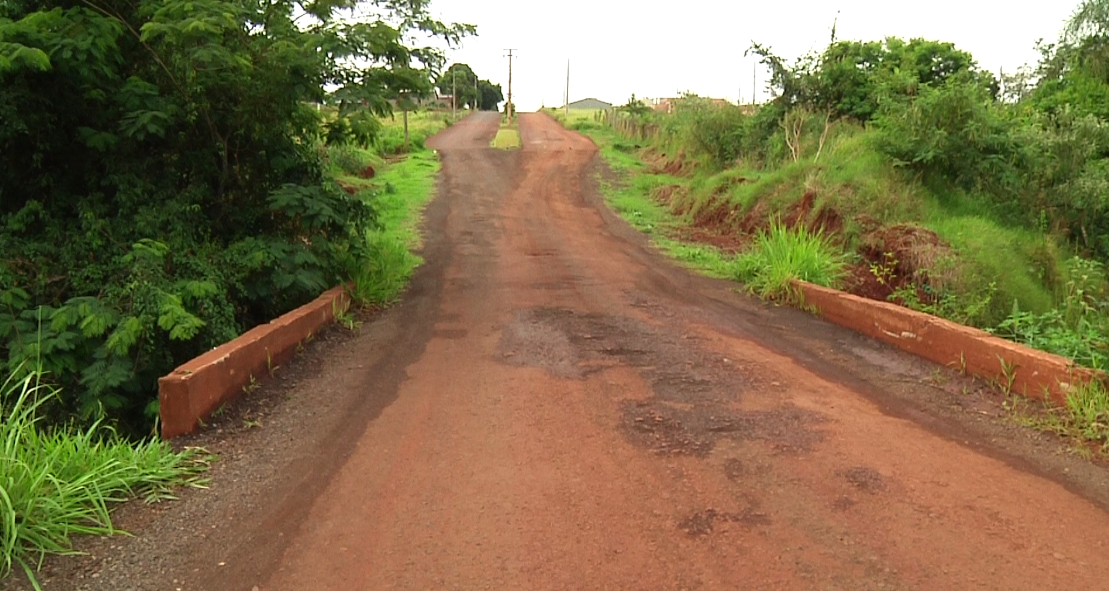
{"points": [[270, 367], [962, 363], [1009, 374], [1088, 410], [250, 387], [885, 271], [252, 423], [782, 255], [344, 317]]}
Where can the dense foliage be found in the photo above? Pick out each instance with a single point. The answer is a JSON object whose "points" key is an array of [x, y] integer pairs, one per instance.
{"points": [[161, 182]]}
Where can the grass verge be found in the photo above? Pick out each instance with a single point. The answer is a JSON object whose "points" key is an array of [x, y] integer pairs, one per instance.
{"points": [[507, 139], [59, 482], [398, 194]]}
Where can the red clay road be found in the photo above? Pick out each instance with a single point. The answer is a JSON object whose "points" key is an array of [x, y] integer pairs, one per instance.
{"points": [[557, 407]]}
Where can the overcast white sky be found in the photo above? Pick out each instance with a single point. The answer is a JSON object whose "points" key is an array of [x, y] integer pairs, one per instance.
{"points": [[660, 49]]}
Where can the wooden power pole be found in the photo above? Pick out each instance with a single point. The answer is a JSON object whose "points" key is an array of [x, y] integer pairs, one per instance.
{"points": [[454, 94], [567, 89], [511, 109], [754, 84]]}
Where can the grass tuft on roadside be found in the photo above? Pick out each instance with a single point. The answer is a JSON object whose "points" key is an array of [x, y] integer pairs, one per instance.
{"points": [[58, 482], [780, 255]]}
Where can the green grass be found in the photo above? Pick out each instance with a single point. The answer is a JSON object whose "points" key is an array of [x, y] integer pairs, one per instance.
{"points": [[779, 256], [1083, 420], [57, 482], [398, 194], [421, 125], [507, 139]]}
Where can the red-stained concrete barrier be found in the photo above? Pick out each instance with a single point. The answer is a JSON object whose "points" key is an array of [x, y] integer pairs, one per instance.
{"points": [[196, 389], [1034, 374]]}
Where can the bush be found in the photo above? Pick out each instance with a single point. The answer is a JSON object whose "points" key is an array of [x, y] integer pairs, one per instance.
{"points": [[781, 255], [952, 133], [57, 483], [348, 159]]}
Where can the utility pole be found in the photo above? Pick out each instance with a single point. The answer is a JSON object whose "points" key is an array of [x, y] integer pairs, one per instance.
{"points": [[454, 94], [477, 97], [754, 84], [567, 89], [511, 109]]}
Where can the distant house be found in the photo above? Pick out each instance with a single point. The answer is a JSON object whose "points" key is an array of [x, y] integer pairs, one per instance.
{"points": [[591, 104]]}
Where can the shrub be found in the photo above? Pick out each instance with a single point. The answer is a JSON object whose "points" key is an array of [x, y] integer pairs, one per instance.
{"points": [[951, 133], [347, 158]]}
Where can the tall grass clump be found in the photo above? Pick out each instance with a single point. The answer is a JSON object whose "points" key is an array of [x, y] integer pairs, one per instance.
{"points": [[380, 279], [780, 255], [57, 482]]}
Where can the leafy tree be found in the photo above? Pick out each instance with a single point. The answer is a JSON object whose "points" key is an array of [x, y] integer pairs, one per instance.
{"points": [[160, 185], [491, 95], [850, 77], [460, 79]]}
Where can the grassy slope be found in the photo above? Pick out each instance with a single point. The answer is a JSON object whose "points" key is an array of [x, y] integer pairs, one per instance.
{"points": [[991, 264], [399, 191]]}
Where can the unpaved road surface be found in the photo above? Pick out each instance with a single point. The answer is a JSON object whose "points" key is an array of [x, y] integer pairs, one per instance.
{"points": [[554, 406]]}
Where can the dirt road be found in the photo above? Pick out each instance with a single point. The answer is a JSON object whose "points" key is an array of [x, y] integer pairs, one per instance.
{"points": [[557, 407]]}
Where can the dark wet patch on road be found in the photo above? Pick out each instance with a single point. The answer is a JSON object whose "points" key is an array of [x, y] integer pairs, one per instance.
{"points": [[702, 523], [694, 391], [864, 478], [673, 431]]}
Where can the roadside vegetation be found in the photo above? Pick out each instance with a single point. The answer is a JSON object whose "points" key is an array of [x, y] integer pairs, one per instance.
{"points": [[170, 178], [172, 183], [397, 187], [899, 171], [57, 482]]}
